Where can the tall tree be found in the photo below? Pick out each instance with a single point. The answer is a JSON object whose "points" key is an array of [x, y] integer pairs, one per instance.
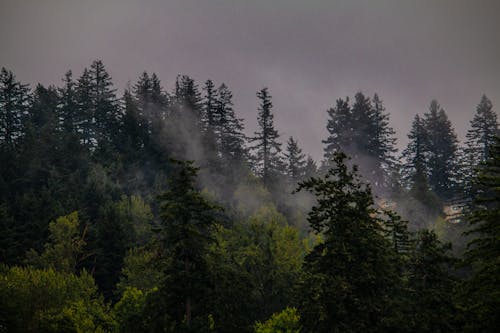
{"points": [[187, 224], [68, 106], [442, 148], [230, 128], [339, 127], [482, 292], [349, 274], [267, 148], [295, 160], [480, 137], [14, 101], [104, 103]]}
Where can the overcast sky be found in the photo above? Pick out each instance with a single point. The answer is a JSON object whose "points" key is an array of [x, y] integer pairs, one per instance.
{"points": [[309, 53]]}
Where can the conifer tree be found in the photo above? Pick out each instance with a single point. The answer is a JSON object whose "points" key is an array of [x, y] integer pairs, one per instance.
{"points": [[14, 101], [482, 293], [104, 103], [295, 160], [310, 169], [442, 151], [349, 274], [480, 137], [431, 286], [187, 223], [230, 128], [267, 148], [339, 127], [85, 120], [68, 106]]}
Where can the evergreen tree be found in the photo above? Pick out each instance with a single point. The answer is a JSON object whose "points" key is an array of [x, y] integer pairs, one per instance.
{"points": [[340, 128], [104, 103], [482, 292], [14, 101], [382, 145], [442, 151], [431, 286], [349, 274], [295, 161], [134, 127], [187, 224], [85, 120], [267, 148], [210, 106], [310, 169], [480, 137], [188, 101], [68, 105]]}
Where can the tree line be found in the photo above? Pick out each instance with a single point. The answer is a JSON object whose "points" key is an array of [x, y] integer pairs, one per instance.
{"points": [[107, 225]]}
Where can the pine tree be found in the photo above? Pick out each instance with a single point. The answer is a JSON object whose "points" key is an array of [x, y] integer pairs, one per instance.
{"points": [[187, 223], [230, 128], [267, 148], [104, 103], [482, 292], [340, 128], [310, 169], [349, 274], [415, 156], [442, 148], [14, 101], [295, 161], [431, 286], [134, 127], [188, 100], [68, 105], [381, 145], [480, 137], [85, 120]]}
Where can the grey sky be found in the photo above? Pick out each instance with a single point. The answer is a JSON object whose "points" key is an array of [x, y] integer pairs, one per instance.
{"points": [[309, 53]]}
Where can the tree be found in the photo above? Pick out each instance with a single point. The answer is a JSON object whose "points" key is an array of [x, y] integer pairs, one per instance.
{"points": [[286, 321], [431, 286], [441, 151], [480, 138], [267, 148], [339, 128], [68, 104], [187, 223], [296, 162], [310, 169], [66, 247], [230, 129], [14, 101], [349, 274], [482, 293], [44, 300]]}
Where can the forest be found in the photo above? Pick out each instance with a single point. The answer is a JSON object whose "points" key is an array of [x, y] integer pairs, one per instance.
{"points": [[155, 211]]}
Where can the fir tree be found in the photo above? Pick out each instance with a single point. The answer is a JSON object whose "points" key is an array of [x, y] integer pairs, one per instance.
{"points": [[14, 101], [187, 223], [441, 148], [295, 161], [480, 137], [339, 127], [482, 293], [267, 148], [68, 106], [349, 274]]}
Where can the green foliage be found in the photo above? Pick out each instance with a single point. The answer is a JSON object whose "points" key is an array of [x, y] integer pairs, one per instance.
{"points": [[286, 321], [481, 295], [128, 311], [348, 277], [140, 270], [34, 300], [65, 249]]}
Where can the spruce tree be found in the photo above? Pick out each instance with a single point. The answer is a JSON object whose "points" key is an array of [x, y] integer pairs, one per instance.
{"points": [[480, 137], [295, 161], [14, 101], [229, 128], [68, 106], [348, 276], [431, 286], [187, 225], [482, 292], [442, 148], [267, 148], [340, 128]]}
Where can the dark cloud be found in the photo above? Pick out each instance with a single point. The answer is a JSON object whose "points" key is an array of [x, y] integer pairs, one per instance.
{"points": [[307, 52]]}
